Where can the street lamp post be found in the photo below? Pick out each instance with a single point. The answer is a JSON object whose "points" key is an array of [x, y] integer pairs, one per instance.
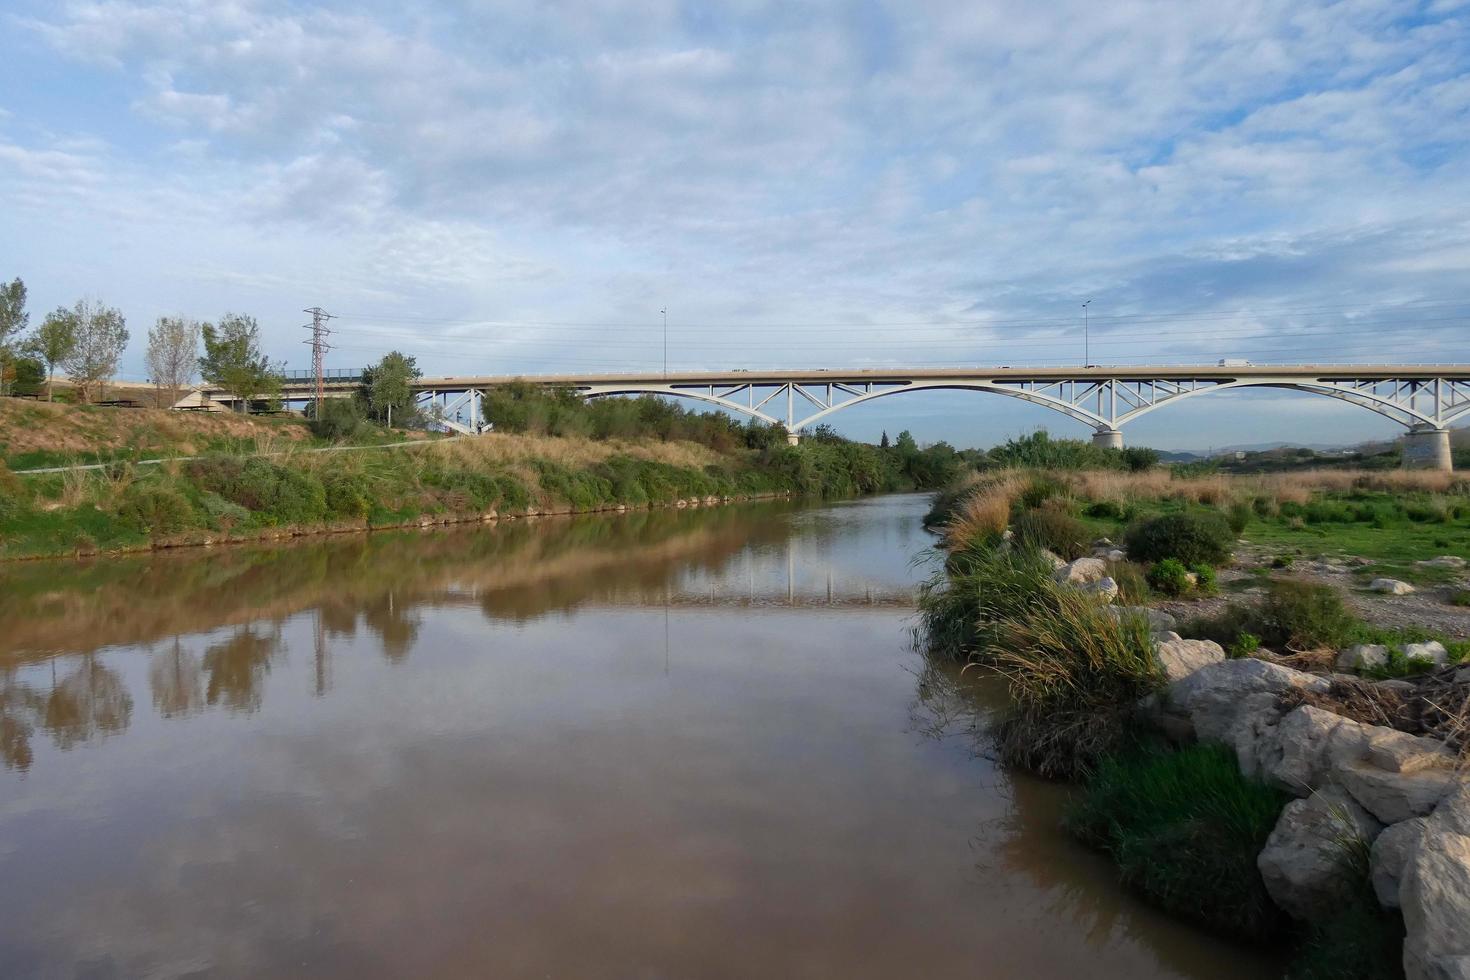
{"points": [[665, 314], [1086, 335]]}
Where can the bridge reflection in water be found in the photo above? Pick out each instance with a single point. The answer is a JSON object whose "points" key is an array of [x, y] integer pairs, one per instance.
{"points": [[215, 622]]}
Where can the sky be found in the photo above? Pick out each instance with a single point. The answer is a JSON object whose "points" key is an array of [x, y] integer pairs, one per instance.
{"points": [[509, 187]]}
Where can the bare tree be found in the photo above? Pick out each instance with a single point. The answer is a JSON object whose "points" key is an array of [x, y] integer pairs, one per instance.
{"points": [[102, 334], [173, 353]]}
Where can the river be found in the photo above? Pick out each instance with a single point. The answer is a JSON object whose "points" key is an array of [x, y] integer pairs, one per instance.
{"points": [[668, 744]]}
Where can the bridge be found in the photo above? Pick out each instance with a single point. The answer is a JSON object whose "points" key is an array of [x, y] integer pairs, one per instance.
{"points": [[1424, 398]]}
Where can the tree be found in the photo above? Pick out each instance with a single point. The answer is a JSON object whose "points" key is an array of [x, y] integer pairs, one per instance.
{"points": [[101, 335], [54, 341], [883, 443], [13, 319], [173, 352], [385, 388], [233, 361]]}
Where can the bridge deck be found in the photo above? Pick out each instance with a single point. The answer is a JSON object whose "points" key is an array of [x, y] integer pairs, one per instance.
{"points": [[1127, 372]]}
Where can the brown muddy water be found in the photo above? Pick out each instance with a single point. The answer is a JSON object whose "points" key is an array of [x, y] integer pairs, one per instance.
{"points": [[672, 744]]}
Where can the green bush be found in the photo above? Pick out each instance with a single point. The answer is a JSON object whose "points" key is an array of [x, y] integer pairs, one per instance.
{"points": [[1185, 828], [1460, 598], [155, 510], [1107, 510], [1054, 530], [341, 418], [1304, 616], [347, 495], [275, 494], [1202, 537], [1239, 515], [1244, 644], [1169, 577], [1205, 578]]}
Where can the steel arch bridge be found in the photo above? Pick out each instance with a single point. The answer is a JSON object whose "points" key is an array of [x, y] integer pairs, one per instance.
{"points": [[1426, 399]]}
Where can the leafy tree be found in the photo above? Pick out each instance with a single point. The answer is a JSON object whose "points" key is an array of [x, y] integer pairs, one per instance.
{"points": [[233, 361], [173, 352], [54, 341], [385, 388], [906, 445], [101, 335], [13, 319], [28, 374]]}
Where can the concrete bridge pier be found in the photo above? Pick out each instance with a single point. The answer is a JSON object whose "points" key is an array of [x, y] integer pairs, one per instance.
{"points": [[1108, 439], [1427, 448], [793, 438]]}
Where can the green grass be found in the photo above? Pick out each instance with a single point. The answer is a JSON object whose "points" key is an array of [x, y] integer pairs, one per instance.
{"points": [[1363, 941], [1185, 827]]}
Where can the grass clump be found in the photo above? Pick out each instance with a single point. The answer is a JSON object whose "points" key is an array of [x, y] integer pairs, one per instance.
{"points": [[1193, 537], [1185, 828], [1074, 670], [1053, 529]]}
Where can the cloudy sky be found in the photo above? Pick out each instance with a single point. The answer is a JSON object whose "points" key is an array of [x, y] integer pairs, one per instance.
{"points": [[522, 186]]}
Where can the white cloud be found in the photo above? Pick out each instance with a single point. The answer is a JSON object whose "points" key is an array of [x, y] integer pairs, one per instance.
{"points": [[763, 163]]}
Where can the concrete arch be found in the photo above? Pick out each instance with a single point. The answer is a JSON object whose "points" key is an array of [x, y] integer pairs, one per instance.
{"points": [[1374, 403], [1080, 414], [725, 403]]}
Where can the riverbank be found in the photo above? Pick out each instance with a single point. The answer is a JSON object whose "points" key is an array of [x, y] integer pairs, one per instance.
{"points": [[229, 498], [1174, 726]]}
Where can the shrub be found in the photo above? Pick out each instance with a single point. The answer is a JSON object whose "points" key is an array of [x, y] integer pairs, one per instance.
{"points": [[347, 495], [1461, 598], [155, 510], [1194, 538], [1051, 529], [1185, 828], [1304, 616], [277, 494], [1169, 577], [1108, 510], [1239, 516], [1204, 578], [341, 418], [1244, 645]]}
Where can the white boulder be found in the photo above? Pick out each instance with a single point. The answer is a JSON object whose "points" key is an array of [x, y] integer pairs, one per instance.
{"points": [[1081, 571], [1156, 619], [1444, 561], [1434, 894], [1180, 657], [1306, 866], [1390, 586], [1362, 656], [1433, 651], [1390, 856], [1211, 697], [1104, 588]]}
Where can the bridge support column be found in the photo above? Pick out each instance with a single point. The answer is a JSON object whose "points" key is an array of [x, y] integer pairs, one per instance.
{"points": [[793, 438], [1107, 439], [1427, 448]]}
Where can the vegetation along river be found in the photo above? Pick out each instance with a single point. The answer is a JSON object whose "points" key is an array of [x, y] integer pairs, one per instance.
{"points": [[661, 744]]}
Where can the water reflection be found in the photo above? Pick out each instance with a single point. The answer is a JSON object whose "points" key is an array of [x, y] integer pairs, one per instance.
{"points": [[671, 744], [67, 614]]}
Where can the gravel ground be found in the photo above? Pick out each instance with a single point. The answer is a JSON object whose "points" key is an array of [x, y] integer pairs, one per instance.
{"points": [[1427, 608]]}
